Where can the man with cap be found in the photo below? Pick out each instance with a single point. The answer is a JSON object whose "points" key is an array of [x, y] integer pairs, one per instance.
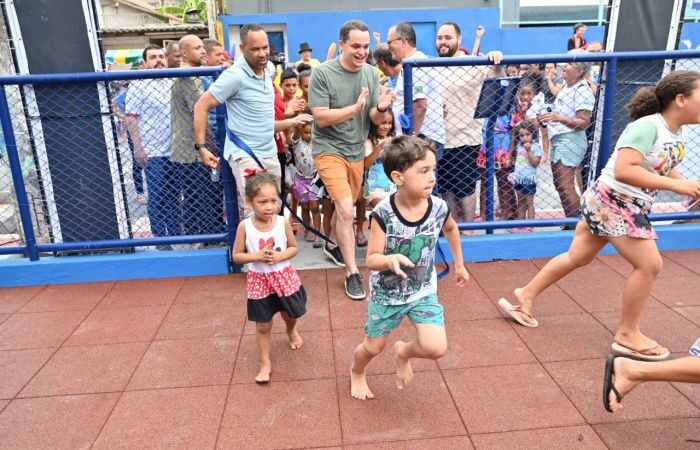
{"points": [[305, 52]]}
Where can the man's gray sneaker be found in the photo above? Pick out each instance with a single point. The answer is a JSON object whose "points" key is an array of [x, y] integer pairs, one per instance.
{"points": [[335, 255], [354, 288]]}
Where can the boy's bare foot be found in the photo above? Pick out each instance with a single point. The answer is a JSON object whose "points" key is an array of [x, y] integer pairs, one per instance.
{"points": [[264, 374], [358, 385], [622, 381], [404, 372], [295, 341]]}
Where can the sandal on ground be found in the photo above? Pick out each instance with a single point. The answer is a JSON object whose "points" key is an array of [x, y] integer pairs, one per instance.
{"points": [[361, 240], [644, 354], [308, 237], [318, 243], [517, 313], [609, 383]]}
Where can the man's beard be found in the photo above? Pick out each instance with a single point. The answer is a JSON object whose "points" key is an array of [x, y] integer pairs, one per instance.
{"points": [[451, 51]]}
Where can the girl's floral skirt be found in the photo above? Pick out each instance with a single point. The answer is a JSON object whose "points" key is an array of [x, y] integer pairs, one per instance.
{"points": [[611, 213]]}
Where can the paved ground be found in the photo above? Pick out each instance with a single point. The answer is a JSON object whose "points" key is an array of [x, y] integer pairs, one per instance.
{"points": [[170, 363]]}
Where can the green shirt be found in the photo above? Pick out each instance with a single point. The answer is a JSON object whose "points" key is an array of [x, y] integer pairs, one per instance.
{"points": [[662, 149], [334, 87], [185, 93]]}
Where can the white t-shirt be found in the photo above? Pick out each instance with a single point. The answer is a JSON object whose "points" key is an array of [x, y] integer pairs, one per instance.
{"points": [[662, 149], [425, 86], [569, 100], [149, 101]]}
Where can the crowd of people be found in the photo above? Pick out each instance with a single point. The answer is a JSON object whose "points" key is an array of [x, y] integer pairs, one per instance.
{"points": [[331, 138], [555, 103]]}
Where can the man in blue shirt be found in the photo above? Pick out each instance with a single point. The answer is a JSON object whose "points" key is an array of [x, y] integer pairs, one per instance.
{"points": [[247, 90]]}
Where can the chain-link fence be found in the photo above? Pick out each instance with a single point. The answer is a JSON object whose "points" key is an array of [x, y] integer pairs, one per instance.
{"points": [[108, 159], [522, 140]]}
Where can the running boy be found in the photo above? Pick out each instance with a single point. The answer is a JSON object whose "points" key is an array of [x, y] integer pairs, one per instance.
{"points": [[404, 233]]}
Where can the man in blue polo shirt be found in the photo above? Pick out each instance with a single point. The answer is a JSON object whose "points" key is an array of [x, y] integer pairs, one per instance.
{"points": [[248, 92]]}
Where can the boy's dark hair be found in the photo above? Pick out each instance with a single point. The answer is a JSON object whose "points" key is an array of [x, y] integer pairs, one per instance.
{"points": [[530, 126], [401, 152], [303, 67], [304, 75], [288, 74], [254, 182]]}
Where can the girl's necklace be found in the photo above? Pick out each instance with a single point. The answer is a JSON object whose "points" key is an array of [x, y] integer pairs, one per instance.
{"points": [[262, 227]]}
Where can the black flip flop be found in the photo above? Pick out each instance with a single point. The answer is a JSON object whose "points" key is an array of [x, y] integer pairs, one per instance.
{"points": [[609, 384]]}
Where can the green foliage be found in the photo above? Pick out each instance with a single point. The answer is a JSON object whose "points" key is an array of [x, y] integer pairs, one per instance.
{"points": [[186, 5]]}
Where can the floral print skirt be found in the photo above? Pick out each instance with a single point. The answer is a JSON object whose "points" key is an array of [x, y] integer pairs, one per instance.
{"points": [[611, 213]]}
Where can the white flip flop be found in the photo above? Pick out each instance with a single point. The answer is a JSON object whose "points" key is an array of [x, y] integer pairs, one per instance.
{"points": [[516, 313]]}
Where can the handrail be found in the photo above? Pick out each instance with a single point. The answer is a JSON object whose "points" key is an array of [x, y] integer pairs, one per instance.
{"points": [[564, 57], [55, 78]]}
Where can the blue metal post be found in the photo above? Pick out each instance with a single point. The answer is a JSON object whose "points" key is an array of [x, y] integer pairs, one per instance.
{"points": [[231, 206], [17, 178], [606, 125], [490, 170], [408, 97]]}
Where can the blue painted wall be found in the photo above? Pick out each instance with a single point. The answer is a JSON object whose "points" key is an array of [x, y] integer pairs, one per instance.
{"points": [[691, 32], [321, 28]]}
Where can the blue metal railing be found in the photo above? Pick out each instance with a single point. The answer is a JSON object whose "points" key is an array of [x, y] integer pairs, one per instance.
{"points": [[606, 145], [31, 247]]}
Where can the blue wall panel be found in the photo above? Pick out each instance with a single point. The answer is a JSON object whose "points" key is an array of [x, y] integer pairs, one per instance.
{"points": [[319, 29]]}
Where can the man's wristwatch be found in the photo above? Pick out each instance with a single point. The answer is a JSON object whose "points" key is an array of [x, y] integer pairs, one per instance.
{"points": [[198, 147]]}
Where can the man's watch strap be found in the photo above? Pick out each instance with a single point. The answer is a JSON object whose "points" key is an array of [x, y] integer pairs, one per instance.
{"points": [[199, 146]]}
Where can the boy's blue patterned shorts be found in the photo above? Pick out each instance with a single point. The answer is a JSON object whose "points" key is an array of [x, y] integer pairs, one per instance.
{"points": [[383, 319]]}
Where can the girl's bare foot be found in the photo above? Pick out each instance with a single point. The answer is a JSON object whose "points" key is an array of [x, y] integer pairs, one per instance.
{"points": [[404, 372], [264, 373], [640, 343], [358, 385], [295, 341], [623, 382]]}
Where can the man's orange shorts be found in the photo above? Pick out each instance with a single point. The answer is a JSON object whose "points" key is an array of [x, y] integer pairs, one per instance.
{"points": [[341, 177]]}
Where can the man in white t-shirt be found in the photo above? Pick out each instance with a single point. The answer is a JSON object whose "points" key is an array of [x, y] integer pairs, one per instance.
{"points": [[427, 99], [148, 113], [460, 86]]}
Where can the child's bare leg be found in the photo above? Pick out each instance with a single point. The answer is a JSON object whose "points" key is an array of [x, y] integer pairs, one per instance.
{"points": [[647, 263], [315, 215], [431, 343], [262, 337], [295, 341], [530, 201], [583, 249], [368, 349], [629, 373], [305, 215], [294, 207]]}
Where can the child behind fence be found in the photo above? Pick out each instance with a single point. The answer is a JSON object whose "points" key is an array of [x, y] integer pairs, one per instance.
{"points": [[304, 173], [528, 155]]}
